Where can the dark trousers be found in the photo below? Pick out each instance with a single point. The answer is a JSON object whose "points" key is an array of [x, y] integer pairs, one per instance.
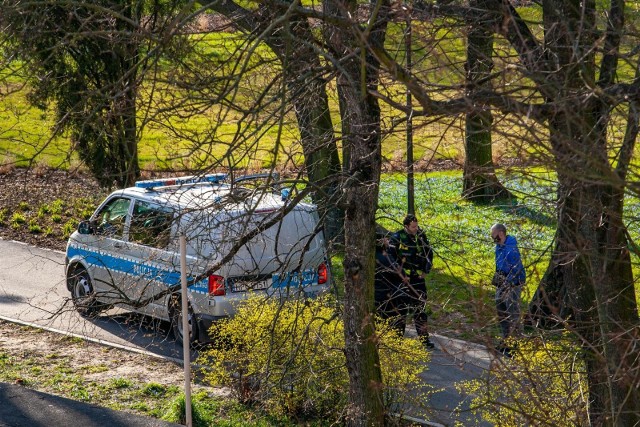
{"points": [[508, 308], [507, 304], [393, 308], [396, 307], [415, 302]]}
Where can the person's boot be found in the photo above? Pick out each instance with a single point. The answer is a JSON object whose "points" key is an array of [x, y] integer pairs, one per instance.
{"points": [[428, 344]]}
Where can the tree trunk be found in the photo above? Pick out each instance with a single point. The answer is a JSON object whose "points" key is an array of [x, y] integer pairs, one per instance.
{"points": [[294, 43], [357, 78], [479, 181], [121, 97], [589, 282], [590, 285], [321, 159]]}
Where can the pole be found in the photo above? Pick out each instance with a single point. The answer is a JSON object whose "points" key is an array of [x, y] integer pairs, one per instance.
{"points": [[185, 331], [411, 208]]}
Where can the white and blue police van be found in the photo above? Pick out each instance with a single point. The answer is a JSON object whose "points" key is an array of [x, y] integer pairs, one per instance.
{"points": [[241, 241]]}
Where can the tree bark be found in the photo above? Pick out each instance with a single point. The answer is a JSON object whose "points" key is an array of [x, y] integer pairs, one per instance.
{"points": [[589, 283], [356, 79], [309, 97], [479, 181], [294, 43]]}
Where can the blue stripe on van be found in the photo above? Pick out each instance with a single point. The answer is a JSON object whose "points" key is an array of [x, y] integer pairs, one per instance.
{"points": [[148, 271], [293, 280]]}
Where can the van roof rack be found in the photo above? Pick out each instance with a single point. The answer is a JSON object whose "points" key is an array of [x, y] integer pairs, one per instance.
{"points": [[215, 178]]}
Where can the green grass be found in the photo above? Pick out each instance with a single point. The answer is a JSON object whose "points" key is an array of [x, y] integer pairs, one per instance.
{"points": [[61, 375], [459, 286]]}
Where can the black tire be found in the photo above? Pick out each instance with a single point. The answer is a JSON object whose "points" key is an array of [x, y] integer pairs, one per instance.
{"points": [[82, 293], [176, 322]]}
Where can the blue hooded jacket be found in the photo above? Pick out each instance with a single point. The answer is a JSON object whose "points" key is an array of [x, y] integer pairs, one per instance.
{"points": [[508, 261]]}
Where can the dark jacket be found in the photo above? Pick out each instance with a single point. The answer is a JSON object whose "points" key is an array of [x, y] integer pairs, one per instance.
{"points": [[414, 252], [388, 282], [509, 263]]}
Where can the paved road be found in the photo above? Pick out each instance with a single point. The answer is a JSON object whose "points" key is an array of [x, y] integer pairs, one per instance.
{"points": [[33, 290]]}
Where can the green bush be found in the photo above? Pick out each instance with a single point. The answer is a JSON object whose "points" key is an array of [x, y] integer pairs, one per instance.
{"points": [[34, 227], [17, 219], [43, 211], [57, 206], [289, 358], [69, 227]]}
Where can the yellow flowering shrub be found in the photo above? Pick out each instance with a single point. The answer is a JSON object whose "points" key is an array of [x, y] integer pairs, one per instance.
{"points": [[289, 357], [543, 384]]}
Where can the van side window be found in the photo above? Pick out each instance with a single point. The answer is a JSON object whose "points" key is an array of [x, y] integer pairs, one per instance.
{"points": [[150, 225], [112, 217]]}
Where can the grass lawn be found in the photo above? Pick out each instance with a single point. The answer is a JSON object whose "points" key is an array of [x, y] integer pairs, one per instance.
{"points": [[459, 286]]}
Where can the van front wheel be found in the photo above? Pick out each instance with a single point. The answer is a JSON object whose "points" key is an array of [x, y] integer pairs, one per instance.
{"points": [[82, 293], [176, 322]]}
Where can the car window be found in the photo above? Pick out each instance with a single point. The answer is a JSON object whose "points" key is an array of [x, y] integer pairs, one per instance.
{"points": [[113, 216], [150, 225]]}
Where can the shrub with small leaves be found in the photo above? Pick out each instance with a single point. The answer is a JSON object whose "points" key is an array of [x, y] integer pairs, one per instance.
{"points": [[24, 206], [57, 206], [43, 211], [289, 358], [84, 207], [17, 219], [543, 384], [69, 227], [34, 227]]}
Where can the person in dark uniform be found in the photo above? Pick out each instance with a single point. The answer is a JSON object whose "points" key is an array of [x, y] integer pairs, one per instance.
{"points": [[415, 257], [390, 283]]}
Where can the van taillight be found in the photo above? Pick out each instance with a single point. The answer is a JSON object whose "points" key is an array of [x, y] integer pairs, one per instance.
{"points": [[216, 285], [323, 274]]}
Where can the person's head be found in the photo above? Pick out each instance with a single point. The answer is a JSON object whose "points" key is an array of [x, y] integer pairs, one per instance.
{"points": [[499, 233], [411, 224]]}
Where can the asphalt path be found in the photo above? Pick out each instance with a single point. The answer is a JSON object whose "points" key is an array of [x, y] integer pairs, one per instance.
{"points": [[33, 291]]}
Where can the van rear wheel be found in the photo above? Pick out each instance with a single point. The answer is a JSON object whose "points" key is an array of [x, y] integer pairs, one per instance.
{"points": [[82, 293], [176, 322]]}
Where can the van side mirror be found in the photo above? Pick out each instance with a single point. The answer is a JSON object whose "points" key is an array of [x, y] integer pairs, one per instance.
{"points": [[86, 227]]}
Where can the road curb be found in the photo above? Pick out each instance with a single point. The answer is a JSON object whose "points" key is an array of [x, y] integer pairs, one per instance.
{"points": [[93, 340], [467, 352]]}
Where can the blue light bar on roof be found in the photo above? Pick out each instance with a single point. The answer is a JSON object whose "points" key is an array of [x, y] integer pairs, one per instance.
{"points": [[182, 180]]}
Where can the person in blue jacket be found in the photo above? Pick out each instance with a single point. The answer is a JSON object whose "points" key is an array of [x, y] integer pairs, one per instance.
{"points": [[508, 279]]}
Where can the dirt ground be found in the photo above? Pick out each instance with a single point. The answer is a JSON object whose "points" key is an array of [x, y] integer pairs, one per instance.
{"points": [[22, 342], [33, 193]]}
